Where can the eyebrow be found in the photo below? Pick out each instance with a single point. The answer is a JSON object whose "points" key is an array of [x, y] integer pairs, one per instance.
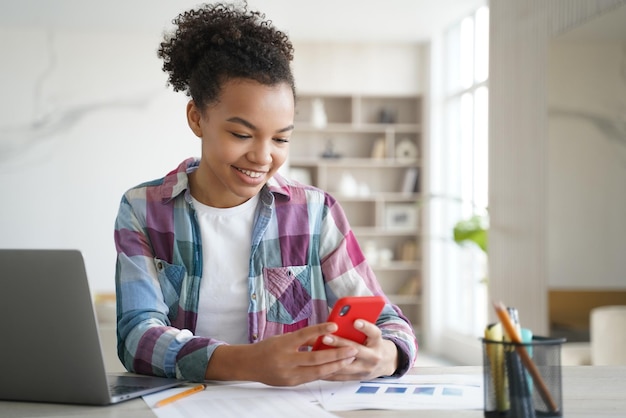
{"points": [[248, 125]]}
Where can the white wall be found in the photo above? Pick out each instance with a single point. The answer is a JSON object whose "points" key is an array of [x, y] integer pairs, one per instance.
{"points": [[374, 68], [519, 191], [587, 164]]}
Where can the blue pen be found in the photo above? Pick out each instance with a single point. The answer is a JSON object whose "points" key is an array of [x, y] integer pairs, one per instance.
{"points": [[527, 338]]}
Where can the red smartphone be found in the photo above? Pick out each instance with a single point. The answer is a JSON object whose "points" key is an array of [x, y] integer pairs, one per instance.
{"points": [[349, 309]]}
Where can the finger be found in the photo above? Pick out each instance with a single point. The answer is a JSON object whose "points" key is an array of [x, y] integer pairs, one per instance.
{"points": [[333, 340], [329, 356], [337, 368], [372, 332], [352, 371], [306, 336]]}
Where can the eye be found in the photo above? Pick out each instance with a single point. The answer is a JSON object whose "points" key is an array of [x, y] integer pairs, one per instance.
{"points": [[282, 140], [240, 136]]}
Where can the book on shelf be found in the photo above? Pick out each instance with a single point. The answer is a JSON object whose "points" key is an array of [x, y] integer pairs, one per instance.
{"points": [[410, 184]]}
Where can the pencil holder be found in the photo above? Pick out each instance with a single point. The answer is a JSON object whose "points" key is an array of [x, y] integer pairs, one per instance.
{"points": [[523, 380]]}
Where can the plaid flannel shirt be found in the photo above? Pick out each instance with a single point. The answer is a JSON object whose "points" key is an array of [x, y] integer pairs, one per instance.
{"points": [[304, 257]]}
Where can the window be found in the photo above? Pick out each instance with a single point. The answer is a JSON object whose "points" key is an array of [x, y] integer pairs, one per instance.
{"points": [[458, 188]]}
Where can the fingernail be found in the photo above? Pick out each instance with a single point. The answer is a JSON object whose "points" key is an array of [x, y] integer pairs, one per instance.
{"points": [[327, 340], [358, 324]]}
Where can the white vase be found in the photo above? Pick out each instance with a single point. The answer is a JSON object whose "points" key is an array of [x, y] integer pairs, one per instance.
{"points": [[318, 114], [348, 186]]}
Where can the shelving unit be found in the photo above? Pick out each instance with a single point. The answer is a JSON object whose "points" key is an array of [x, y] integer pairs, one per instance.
{"points": [[364, 150]]}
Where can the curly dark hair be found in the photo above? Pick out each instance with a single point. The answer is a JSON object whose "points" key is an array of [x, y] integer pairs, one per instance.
{"points": [[216, 43]]}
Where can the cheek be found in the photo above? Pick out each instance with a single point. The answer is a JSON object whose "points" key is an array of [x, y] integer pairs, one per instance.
{"points": [[280, 156], [218, 151]]}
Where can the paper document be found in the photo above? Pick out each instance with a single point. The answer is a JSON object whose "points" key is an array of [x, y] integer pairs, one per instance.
{"points": [[240, 400], [316, 399], [408, 392]]}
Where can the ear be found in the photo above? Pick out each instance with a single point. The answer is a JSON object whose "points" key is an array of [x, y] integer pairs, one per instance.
{"points": [[193, 118]]}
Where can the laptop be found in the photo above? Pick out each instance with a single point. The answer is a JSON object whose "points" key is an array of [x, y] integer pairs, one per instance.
{"points": [[50, 348]]}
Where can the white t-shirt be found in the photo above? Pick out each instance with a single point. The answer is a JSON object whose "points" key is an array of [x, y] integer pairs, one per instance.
{"points": [[226, 240]]}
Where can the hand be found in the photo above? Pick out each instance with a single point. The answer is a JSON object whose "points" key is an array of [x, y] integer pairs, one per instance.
{"points": [[279, 361], [376, 357]]}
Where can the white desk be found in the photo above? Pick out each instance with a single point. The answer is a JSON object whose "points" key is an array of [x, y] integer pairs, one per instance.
{"points": [[588, 391]]}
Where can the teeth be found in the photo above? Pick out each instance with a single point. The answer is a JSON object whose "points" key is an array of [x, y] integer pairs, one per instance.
{"points": [[253, 174]]}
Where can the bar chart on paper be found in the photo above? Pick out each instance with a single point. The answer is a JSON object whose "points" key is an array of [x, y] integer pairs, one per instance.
{"points": [[407, 392]]}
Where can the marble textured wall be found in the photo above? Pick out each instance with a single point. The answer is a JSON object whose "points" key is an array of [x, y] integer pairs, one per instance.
{"points": [[84, 115]]}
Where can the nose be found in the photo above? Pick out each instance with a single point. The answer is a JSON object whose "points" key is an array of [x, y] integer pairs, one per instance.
{"points": [[261, 152]]}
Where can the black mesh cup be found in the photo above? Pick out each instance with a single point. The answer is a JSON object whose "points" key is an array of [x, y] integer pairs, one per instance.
{"points": [[523, 380]]}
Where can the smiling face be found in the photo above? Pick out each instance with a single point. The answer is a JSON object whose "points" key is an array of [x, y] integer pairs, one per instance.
{"points": [[245, 140]]}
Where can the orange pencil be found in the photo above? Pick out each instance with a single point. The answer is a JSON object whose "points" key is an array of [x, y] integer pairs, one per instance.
{"points": [[510, 329], [180, 395]]}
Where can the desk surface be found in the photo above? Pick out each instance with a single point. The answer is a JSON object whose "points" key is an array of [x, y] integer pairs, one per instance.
{"points": [[588, 391]]}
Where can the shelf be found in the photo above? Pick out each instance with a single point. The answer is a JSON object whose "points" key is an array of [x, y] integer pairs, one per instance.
{"points": [[396, 266], [359, 127], [379, 231], [354, 162], [391, 197], [365, 152]]}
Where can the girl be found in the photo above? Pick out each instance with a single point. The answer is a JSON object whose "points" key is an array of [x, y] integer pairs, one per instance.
{"points": [[225, 269]]}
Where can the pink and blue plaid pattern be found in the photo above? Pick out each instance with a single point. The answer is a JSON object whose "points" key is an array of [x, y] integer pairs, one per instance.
{"points": [[303, 258]]}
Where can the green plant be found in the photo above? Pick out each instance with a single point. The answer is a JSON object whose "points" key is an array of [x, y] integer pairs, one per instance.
{"points": [[474, 229]]}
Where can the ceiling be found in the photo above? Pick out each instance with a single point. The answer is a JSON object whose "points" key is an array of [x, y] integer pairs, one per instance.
{"points": [[303, 20]]}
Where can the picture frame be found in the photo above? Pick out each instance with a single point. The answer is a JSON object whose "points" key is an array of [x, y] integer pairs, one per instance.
{"points": [[401, 216]]}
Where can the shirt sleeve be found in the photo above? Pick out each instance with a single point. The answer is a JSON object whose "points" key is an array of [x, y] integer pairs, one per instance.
{"points": [[347, 273], [148, 294]]}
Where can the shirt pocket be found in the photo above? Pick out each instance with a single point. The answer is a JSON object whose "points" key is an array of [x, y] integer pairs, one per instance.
{"points": [[171, 277], [288, 293]]}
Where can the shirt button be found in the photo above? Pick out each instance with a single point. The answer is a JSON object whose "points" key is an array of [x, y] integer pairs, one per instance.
{"points": [[160, 265], [255, 337], [184, 336], [253, 296]]}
